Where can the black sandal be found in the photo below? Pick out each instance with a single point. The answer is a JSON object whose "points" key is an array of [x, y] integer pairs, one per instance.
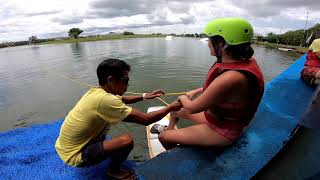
{"points": [[158, 128]]}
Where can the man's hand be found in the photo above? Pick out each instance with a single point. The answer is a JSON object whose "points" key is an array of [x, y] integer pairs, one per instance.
{"points": [[175, 106], [154, 94]]}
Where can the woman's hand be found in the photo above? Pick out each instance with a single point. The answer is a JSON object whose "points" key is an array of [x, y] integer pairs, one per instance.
{"points": [[182, 97], [154, 94], [189, 94], [192, 93]]}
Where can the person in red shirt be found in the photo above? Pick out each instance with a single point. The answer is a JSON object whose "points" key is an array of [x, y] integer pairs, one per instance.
{"points": [[311, 71]]}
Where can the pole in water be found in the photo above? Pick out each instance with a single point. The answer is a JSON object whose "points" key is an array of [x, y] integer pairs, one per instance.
{"points": [[305, 28]]}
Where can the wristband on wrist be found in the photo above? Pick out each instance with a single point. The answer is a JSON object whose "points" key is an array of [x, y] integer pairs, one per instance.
{"points": [[144, 96]]}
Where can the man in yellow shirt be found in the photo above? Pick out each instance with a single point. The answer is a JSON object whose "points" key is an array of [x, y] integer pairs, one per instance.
{"points": [[81, 140]]}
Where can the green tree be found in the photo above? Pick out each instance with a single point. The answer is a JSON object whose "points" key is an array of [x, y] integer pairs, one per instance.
{"points": [[272, 38], [314, 32], [128, 33], [32, 39], [74, 32], [202, 35], [295, 38], [261, 38]]}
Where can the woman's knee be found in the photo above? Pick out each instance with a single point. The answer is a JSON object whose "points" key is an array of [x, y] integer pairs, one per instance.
{"points": [[161, 137], [164, 137]]}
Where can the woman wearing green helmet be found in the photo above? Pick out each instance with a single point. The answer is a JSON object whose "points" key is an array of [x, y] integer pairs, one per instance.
{"points": [[230, 96], [230, 35]]}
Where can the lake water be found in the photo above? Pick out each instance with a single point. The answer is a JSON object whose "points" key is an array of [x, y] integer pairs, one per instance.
{"points": [[34, 87]]}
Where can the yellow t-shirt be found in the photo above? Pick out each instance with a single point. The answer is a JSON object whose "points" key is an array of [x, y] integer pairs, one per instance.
{"points": [[85, 123]]}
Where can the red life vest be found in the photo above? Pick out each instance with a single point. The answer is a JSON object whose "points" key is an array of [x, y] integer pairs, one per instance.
{"points": [[237, 115], [312, 59]]}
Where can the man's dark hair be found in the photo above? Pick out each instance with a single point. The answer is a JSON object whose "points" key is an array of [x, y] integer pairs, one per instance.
{"points": [[111, 67]]}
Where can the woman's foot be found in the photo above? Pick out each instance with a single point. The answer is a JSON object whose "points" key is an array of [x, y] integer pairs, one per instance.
{"points": [[157, 128]]}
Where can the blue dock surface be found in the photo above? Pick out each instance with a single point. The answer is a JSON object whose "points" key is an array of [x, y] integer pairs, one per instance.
{"points": [[29, 153]]}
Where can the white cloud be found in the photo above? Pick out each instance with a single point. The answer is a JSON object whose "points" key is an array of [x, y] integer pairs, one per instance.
{"points": [[20, 19]]}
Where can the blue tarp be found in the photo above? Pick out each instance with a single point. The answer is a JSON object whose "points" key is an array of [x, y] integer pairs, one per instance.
{"points": [[28, 153]]}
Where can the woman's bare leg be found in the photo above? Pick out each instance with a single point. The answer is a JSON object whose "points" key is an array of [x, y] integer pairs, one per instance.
{"points": [[198, 135], [198, 118], [174, 118]]}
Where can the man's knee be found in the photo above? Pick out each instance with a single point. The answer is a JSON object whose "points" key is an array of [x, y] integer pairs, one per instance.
{"points": [[127, 141]]}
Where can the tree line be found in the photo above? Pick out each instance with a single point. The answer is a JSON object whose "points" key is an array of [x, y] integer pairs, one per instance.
{"points": [[72, 33], [295, 38]]}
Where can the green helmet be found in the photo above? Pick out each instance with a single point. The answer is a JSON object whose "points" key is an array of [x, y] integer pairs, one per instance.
{"points": [[234, 30]]}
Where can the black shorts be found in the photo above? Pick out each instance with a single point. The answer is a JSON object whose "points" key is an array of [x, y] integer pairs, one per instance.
{"points": [[93, 154]]}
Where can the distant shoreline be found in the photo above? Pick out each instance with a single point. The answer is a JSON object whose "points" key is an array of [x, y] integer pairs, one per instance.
{"points": [[295, 50], [99, 38], [80, 39]]}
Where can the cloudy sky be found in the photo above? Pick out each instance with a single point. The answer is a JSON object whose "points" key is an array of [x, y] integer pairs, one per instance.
{"points": [[20, 19]]}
